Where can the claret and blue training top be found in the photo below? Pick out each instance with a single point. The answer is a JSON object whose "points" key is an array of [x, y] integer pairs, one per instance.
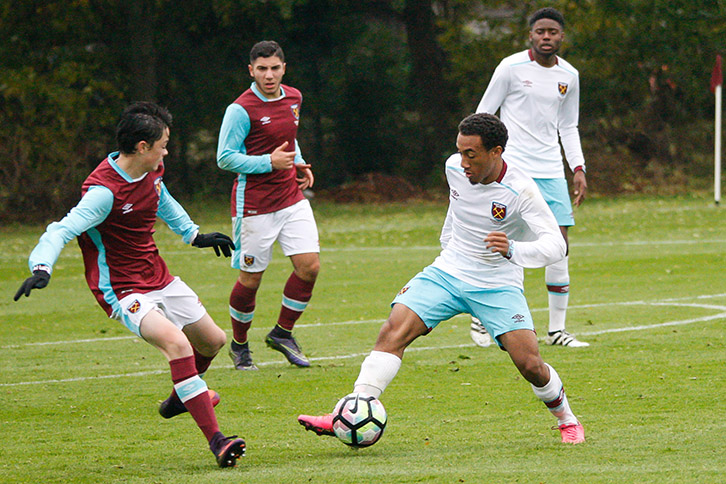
{"points": [[114, 222], [252, 128]]}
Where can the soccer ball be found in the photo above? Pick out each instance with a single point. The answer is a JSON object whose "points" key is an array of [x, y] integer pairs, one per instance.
{"points": [[359, 420]]}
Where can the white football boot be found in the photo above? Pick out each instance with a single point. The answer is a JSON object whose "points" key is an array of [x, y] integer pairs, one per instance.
{"points": [[479, 334]]}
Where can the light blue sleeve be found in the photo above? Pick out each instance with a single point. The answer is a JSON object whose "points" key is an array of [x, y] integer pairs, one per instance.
{"points": [[91, 210], [298, 155], [178, 220], [231, 151]]}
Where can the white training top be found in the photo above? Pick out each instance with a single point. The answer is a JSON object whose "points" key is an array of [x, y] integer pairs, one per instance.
{"points": [[513, 205], [537, 103]]}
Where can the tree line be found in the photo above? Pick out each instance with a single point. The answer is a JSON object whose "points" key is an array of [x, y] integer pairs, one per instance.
{"points": [[384, 84]]}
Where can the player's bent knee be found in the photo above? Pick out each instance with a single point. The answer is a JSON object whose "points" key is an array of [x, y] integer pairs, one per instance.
{"points": [[213, 343], [400, 329], [309, 272], [219, 341], [534, 371], [250, 280], [209, 341], [176, 347]]}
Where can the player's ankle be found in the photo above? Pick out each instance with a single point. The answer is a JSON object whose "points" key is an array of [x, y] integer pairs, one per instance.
{"points": [[280, 332]]}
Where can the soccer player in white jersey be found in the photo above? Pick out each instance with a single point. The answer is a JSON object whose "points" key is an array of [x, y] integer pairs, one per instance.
{"points": [[497, 223], [538, 95]]}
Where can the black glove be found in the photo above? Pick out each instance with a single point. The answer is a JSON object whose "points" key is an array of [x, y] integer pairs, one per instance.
{"points": [[38, 280], [216, 240]]}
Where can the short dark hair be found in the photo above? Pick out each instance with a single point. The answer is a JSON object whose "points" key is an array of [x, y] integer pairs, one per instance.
{"points": [[550, 13], [266, 48], [488, 127], [141, 121]]}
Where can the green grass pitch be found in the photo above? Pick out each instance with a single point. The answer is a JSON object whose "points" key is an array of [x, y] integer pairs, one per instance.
{"points": [[79, 394]]}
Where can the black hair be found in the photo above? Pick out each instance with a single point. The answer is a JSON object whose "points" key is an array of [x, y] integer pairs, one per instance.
{"points": [[266, 48], [488, 127], [550, 13], [141, 121]]}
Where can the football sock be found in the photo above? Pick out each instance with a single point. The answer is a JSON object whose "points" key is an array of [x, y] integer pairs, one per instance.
{"points": [[193, 392], [201, 363], [557, 279], [241, 311], [295, 298], [377, 371], [553, 396]]}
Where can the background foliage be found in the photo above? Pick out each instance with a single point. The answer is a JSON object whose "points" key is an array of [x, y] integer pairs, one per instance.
{"points": [[385, 82]]}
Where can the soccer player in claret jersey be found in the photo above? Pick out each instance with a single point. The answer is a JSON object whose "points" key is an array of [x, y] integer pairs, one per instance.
{"points": [[497, 223], [257, 141], [539, 95], [114, 223]]}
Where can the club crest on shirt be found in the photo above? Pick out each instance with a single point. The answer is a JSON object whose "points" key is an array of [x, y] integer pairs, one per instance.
{"points": [[499, 211], [157, 186], [134, 307], [403, 290], [562, 87], [249, 260], [295, 108]]}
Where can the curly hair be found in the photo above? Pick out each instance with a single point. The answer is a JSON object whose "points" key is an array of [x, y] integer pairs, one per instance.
{"points": [[488, 127], [550, 13]]}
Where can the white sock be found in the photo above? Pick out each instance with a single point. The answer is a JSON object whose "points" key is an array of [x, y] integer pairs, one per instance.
{"points": [[376, 372], [553, 396], [557, 279]]}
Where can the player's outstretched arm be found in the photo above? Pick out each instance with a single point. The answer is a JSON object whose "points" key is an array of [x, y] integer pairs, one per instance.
{"points": [[217, 240], [38, 280]]}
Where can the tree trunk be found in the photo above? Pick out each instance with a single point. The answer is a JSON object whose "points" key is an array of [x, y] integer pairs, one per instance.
{"points": [[141, 51], [428, 84]]}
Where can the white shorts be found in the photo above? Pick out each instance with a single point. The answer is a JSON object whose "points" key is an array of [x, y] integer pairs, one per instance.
{"points": [[177, 302], [293, 227]]}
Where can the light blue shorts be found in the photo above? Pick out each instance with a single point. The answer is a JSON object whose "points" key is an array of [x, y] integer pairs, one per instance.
{"points": [[436, 296], [557, 196]]}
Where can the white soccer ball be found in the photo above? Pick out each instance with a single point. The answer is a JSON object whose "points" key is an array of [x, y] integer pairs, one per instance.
{"points": [[359, 420]]}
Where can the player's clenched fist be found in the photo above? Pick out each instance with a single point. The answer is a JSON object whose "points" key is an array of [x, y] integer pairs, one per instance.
{"points": [[498, 242]]}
